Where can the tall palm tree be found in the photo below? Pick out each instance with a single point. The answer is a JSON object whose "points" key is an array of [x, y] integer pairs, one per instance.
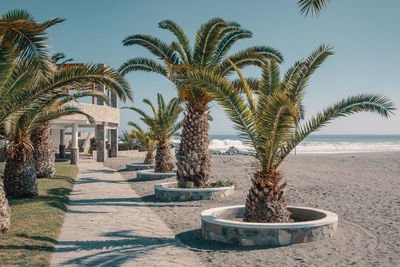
{"points": [[164, 124], [20, 174], [23, 52], [213, 42], [146, 141], [43, 155], [29, 84], [54, 88], [22, 49], [266, 114], [313, 6]]}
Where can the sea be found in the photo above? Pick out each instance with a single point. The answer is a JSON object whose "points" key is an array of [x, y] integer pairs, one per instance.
{"points": [[320, 144]]}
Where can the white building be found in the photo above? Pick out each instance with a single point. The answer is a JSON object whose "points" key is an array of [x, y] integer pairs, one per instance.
{"points": [[107, 118]]}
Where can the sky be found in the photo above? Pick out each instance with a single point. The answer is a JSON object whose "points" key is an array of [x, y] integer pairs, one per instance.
{"points": [[364, 34]]}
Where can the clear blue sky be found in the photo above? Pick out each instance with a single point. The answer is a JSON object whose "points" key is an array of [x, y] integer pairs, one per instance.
{"points": [[364, 33]]}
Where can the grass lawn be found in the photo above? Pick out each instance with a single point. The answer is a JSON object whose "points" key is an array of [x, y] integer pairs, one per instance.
{"points": [[36, 222]]}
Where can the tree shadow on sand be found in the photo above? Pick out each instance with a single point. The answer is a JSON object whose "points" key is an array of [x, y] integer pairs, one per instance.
{"points": [[194, 241]]}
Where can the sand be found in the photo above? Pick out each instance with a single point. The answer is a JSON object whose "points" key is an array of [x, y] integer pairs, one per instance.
{"points": [[363, 189]]}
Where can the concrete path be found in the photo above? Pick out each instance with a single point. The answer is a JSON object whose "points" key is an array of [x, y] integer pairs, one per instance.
{"points": [[107, 224]]}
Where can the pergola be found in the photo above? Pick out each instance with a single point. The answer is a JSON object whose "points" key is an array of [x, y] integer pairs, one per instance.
{"points": [[106, 118]]}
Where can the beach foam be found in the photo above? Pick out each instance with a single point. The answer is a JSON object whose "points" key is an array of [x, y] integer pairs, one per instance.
{"points": [[318, 146]]}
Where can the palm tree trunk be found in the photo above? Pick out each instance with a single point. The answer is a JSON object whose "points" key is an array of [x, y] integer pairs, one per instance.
{"points": [[3, 144], [149, 158], [193, 158], [163, 158], [20, 176], [43, 156], [266, 200], [5, 212]]}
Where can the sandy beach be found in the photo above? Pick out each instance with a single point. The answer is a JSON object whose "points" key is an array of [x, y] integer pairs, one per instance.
{"points": [[363, 189]]}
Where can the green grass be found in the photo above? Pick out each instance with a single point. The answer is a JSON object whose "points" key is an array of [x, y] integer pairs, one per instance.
{"points": [[36, 222]]}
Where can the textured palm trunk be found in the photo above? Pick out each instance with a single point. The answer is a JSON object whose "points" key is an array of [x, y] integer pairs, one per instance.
{"points": [[20, 176], [149, 158], [266, 200], [5, 212], [3, 150], [193, 158], [3, 144], [164, 161], [44, 157]]}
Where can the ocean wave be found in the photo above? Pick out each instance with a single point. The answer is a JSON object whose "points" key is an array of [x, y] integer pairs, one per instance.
{"points": [[312, 147]]}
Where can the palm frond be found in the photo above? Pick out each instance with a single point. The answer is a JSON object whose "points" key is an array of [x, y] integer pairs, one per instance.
{"points": [[354, 104], [142, 64], [252, 83], [154, 45], [234, 35], [206, 41], [253, 56], [313, 6], [180, 35], [308, 66]]}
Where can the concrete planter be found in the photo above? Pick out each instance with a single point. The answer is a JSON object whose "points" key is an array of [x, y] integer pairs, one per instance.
{"points": [[139, 166], [148, 175], [225, 225], [171, 192]]}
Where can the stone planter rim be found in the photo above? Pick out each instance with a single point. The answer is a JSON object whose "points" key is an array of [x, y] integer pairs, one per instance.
{"points": [[207, 216], [176, 189], [140, 164], [152, 171]]}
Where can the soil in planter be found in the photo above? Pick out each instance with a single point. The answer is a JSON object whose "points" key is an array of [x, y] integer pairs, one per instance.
{"points": [[219, 183], [292, 219]]}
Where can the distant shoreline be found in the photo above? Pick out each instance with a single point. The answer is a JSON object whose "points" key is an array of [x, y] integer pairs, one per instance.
{"points": [[314, 144]]}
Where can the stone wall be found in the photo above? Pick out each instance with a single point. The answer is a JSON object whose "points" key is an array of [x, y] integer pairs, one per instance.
{"points": [[232, 231], [170, 192]]}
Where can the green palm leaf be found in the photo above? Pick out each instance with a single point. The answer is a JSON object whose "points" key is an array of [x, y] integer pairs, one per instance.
{"points": [[313, 6], [142, 64]]}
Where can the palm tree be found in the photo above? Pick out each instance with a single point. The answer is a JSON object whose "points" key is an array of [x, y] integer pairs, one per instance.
{"points": [[43, 156], [22, 50], [128, 139], [266, 114], [20, 174], [313, 6], [146, 141], [54, 87], [164, 125], [213, 41], [29, 84]]}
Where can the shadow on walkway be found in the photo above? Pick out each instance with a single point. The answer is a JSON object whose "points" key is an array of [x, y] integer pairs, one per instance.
{"points": [[123, 247], [95, 180], [127, 202]]}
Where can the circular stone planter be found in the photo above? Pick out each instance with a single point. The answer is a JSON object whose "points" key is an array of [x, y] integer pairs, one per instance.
{"points": [[148, 175], [171, 192], [225, 225], [139, 166]]}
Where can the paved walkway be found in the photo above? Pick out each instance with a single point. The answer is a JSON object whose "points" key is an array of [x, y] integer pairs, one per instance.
{"points": [[107, 224]]}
